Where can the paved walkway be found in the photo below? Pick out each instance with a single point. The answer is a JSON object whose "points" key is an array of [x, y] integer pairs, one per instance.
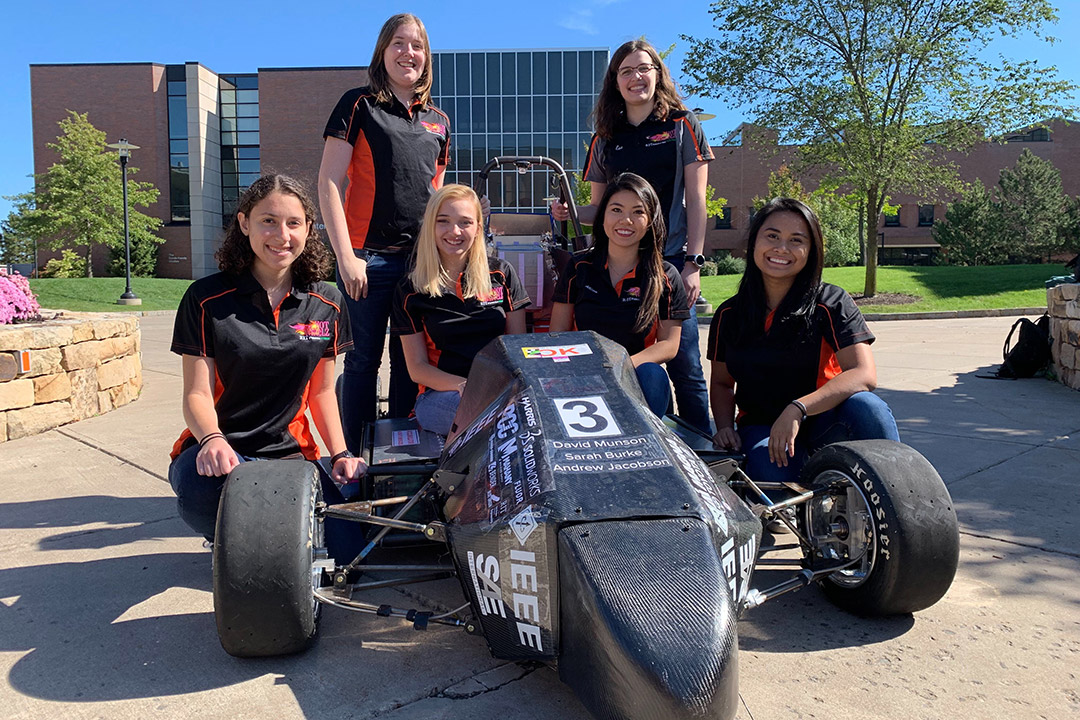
{"points": [[106, 609]]}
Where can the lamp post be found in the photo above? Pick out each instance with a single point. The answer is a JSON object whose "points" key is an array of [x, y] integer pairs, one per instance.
{"points": [[125, 148]]}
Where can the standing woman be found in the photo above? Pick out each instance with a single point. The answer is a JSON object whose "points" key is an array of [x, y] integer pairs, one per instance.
{"points": [[258, 342], [392, 145], [455, 301], [792, 352], [623, 289], [643, 127]]}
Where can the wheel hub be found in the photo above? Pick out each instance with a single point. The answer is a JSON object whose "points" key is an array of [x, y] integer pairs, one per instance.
{"points": [[840, 528]]}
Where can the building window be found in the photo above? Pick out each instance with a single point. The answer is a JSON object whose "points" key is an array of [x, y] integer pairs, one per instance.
{"points": [[926, 215], [179, 167], [892, 220], [240, 166], [1034, 135], [723, 220]]}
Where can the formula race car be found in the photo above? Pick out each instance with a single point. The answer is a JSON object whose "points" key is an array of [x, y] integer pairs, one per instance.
{"points": [[586, 533]]}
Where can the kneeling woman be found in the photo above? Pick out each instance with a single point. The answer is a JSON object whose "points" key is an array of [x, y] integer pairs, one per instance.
{"points": [[622, 288], [455, 301], [792, 352], [258, 342]]}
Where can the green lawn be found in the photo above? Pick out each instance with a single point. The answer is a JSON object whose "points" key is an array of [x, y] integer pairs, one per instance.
{"points": [[938, 288], [101, 294]]}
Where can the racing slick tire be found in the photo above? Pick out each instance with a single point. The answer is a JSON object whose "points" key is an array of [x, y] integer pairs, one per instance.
{"points": [[892, 509], [264, 549]]}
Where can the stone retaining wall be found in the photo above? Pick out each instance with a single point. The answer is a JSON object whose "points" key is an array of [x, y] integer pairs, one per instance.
{"points": [[1063, 302], [80, 366]]}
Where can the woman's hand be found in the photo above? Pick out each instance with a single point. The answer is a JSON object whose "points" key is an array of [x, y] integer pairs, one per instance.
{"points": [[560, 211], [354, 274], [348, 469], [216, 457], [782, 435], [691, 277], [727, 439]]}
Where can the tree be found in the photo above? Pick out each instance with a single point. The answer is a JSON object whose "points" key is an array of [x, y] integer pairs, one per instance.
{"points": [[16, 243], [1032, 206], [970, 233], [78, 201], [874, 91], [839, 214]]}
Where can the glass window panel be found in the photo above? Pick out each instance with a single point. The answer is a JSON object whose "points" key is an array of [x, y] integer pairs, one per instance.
{"points": [[230, 194], [228, 138], [228, 96], [569, 60], [230, 179], [494, 73], [462, 62], [539, 145], [600, 63], [508, 74], [178, 146], [481, 154], [554, 149], [524, 73], [248, 178], [539, 63], [177, 88], [554, 74], [247, 96], [539, 121], [247, 123], [464, 115], [247, 82], [446, 74], [248, 166], [569, 141], [179, 161], [247, 153], [177, 117], [228, 165], [247, 110], [247, 138], [494, 112], [464, 147], [175, 72], [570, 114], [524, 145], [478, 86], [228, 124], [555, 114], [586, 82], [230, 110], [436, 85], [585, 106], [537, 192], [478, 107], [495, 192], [524, 114], [495, 146], [509, 115]]}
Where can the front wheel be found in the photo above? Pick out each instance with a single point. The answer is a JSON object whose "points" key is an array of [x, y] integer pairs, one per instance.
{"points": [[889, 517], [265, 548]]}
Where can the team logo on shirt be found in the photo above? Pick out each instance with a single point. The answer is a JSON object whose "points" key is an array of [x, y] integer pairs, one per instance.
{"points": [[434, 128], [661, 137], [313, 330], [495, 297], [631, 294]]}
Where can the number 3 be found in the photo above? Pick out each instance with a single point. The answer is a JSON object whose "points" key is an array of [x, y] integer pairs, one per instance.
{"points": [[586, 417]]}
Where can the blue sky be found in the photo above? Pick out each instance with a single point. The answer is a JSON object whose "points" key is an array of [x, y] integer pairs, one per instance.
{"points": [[241, 37]]}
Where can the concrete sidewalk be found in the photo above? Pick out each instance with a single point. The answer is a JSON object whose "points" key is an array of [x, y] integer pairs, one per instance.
{"points": [[106, 609]]}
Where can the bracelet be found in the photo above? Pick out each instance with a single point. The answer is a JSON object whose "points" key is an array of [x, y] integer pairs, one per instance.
{"points": [[802, 409], [210, 436], [340, 455]]}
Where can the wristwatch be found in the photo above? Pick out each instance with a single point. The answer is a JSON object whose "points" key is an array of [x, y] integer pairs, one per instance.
{"points": [[698, 260]]}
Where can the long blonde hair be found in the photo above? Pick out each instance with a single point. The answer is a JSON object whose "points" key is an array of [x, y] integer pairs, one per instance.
{"points": [[428, 275]]}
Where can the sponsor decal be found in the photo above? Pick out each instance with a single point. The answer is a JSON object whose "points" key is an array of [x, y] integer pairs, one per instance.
{"points": [[495, 297], [556, 352], [737, 565], [434, 128], [486, 572], [633, 292], [313, 330], [617, 454], [878, 512], [523, 524], [697, 473], [485, 577], [404, 437], [586, 417], [662, 137]]}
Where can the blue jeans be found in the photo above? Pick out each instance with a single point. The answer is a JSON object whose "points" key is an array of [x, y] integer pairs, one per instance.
{"points": [[436, 409], [368, 319], [691, 391], [863, 416], [655, 387]]}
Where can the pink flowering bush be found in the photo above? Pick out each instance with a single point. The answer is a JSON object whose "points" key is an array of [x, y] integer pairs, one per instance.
{"points": [[17, 302]]}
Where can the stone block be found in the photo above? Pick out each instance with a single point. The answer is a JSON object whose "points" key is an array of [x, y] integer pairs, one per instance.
{"points": [[1055, 304], [30, 337], [84, 389], [45, 361], [104, 401], [1070, 291], [82, 331], [1072, 332], [111, 327], [123, 394], [80, 355], [3, 427], [38, 419], [115, 372], [50, 388], [1068, 357], [138, 341], [16, 394], [116, 347], [9, 367], [1072, 309]]}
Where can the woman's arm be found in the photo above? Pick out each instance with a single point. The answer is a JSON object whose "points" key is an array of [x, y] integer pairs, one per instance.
{"points": [[586, 213], [858, 374], [515, 322], [665, 347], [562, 317], [422, 371], [722, 399], [696, 177], [216, 456], [332, 173], [322, 399]]}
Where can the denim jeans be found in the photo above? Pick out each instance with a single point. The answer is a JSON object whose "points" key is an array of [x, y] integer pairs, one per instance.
{"points": [[863, 416], [691, 391], [368, 319], [435, 410], [655, 387]]}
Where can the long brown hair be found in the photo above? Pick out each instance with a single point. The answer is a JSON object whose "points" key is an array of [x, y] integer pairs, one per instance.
{"points": [[650, 258], [378, 79], [610, 104], [235, 254]]}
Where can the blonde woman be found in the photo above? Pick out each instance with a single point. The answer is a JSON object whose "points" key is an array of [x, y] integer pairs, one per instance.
{"points": [[455, 301]]}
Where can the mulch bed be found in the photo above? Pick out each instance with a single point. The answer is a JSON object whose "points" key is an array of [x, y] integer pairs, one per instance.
{"points": [[884, 299]]}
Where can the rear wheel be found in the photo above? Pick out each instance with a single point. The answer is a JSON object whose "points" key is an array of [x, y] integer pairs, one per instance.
{"points": [[889, 515], [267, 550]]}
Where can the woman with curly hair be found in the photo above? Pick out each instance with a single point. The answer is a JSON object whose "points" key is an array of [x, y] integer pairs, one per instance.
{"points": [[258, 342]]}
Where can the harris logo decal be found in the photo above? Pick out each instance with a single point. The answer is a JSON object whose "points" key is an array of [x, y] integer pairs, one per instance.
{"points": [[314, 330]]}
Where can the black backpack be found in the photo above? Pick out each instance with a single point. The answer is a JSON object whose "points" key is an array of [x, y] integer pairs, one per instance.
{"points": [[1031, 353]]}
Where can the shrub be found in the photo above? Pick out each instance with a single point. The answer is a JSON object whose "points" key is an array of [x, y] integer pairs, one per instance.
{"points": [[68, 265], [17, 302], [708, 269], [726, 264]]}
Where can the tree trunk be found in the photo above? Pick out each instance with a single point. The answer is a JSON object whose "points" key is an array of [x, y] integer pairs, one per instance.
{"points": [[89, 261], [870, 287]]}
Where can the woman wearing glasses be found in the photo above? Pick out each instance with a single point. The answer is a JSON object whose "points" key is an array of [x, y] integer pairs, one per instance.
{"points": [[643, 127]]}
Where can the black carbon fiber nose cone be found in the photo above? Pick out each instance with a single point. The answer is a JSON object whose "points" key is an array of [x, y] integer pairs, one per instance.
{"points": [[648, 625]]}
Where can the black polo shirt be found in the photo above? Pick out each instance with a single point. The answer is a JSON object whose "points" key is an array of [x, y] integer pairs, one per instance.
{"points": [[398, 153], [785, 362], [457, 328], [657, 150], [612, 310], [263, 357]]}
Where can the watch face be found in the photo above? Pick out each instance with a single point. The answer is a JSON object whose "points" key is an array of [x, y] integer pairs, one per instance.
{"points": [[698, 260]]}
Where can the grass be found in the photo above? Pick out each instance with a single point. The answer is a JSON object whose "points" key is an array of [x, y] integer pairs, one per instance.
{"points": [[101, 294], [938, 288]]}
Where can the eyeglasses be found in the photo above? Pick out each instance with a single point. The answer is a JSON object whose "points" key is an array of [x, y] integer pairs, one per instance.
{"points": [[628, 72]]}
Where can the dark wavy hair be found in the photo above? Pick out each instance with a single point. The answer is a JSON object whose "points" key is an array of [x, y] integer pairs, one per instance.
{"points": [[797, 307], [378, 79], [235, 255], [650, 255], [610, 104]]}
